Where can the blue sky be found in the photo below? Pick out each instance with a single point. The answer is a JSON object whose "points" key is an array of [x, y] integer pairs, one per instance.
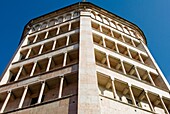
{"points": [[152, 16]]}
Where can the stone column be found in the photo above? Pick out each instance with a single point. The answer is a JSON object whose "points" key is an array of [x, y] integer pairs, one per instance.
{"points": [[129, 53], [133, 43], [67, 42], [65, 59], [40, 51], [69, 28], [107, 59], [29, 51], [122, 38], [163, 104], [54, 44], [117, 49], [137, 73], [41, 92], [150, 104], [131, 94], [58, 30], [23, 97], [104, 43], [19, 72], [6, 101], [49, 64], [33, 69], [141, 58], [150, 78], [100, 28], [61, 86], [114, 90], [123, 68], [35, 39], [46, 35]]}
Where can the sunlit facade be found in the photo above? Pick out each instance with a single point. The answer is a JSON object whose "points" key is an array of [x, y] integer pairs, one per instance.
{"points": [[83, 59]]}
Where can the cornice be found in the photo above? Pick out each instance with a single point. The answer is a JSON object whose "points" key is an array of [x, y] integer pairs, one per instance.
{"points": [[79, 6]]}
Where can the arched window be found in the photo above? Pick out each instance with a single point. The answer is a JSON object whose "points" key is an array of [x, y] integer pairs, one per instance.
{"points": [[76, 14], [60, 19], [93, 15], [36, 28], [133, 33], [99, 18], [126, 30], [138, 35], [68, 17], [106, 21], [44, 25], [52, 22], [113, 24], [119, 27]]}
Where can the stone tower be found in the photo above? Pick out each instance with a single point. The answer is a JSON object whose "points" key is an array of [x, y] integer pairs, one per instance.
{"points": [[82, 59]]}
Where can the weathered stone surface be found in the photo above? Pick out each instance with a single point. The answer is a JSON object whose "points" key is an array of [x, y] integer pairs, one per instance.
{"points": [[63, 106]]}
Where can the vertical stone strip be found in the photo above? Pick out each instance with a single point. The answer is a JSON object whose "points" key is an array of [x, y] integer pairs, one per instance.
{"points": [[88, 96]]}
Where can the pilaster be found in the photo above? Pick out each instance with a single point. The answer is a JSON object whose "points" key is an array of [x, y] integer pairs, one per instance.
{"points": [[88, 97]]}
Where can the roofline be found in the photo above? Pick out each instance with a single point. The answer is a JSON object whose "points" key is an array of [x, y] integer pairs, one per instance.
{"points": [[80, 3], [120, 18]]}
